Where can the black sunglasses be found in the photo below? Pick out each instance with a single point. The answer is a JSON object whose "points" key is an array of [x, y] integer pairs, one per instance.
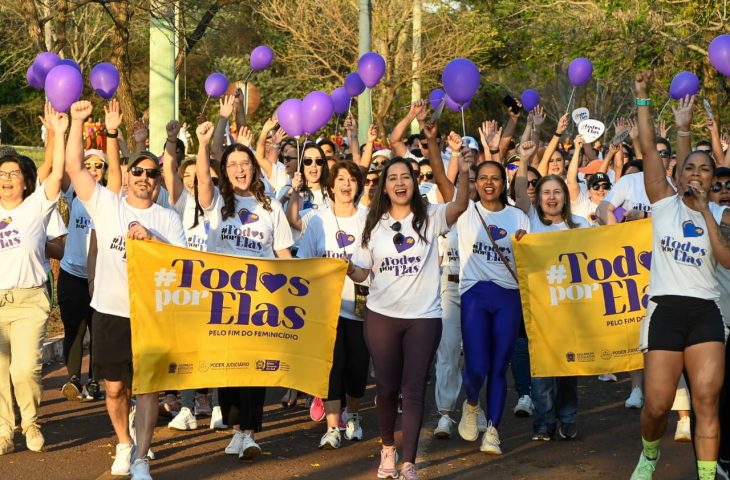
{"points": [[308, 161], [716, 187], [533, 182], [601, 186], [151, 172], [376, 163], [398, 238], [372, 181], [664, 153], [289, 159], [426, 176]]}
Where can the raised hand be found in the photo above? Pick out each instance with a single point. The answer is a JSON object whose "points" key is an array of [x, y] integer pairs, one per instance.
{"points": [[538, 116], [48, 111], [643, 83], [372, 133], [245, 137], [204, 132], [418, 109], [59, 122], [683, 113], [80, 110], [563, 124], [173, 129], [350, 124], [112, 116], [466, 160], [296, 181], [278, 136], [513, 115], [454, 141], [429, 130], [578, 142], [725, 141], [634, 126], [269, 125], [226, 106], [527, 150], [141, 132], [661, 129]]}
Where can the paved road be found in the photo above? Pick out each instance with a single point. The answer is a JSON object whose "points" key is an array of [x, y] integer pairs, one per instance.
{"points": [[80, 445]]}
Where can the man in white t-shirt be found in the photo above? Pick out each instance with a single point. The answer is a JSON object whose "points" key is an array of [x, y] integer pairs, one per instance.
{"points": [[117, 219]]}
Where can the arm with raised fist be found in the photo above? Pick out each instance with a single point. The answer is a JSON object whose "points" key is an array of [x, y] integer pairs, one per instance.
{"points": [[417, 110], [173, 182], [83, 182], [206, 189], [219, 135], [553, 144], [112, 122]]}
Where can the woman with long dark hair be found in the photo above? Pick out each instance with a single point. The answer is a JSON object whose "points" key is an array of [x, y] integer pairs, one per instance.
{"points": [[399, 252], [308, 183]]}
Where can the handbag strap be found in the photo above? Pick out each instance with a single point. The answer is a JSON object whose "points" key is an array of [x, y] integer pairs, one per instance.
{"points": [[494, 244]]}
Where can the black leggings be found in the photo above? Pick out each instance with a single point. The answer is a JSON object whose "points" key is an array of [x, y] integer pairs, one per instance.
{"points": [[243, 406], [349, 374], [402, 351], [76, 312]]}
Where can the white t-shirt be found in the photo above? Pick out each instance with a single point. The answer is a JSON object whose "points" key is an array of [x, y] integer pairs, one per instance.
{"points": [[23, 241], [80, 226], [55, 227], [536, 226], [318, 201], [630, 194], [405, 279], [331, 237], [197, 237], [112, 217], [682, 261], [279, 178], [479, 260], [429, 191], [449, 251], [583, 207], [252, 231]]}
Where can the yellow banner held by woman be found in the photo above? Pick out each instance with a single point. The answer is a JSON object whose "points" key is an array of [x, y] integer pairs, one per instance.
{"points": [[584, 295], [207, 320]]}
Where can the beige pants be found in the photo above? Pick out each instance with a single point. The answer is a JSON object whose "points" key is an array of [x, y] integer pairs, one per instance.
{"points": [[23, 321]]}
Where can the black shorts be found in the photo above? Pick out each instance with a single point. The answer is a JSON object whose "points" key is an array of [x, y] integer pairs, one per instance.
{"points": [[112, 348], [674, 323], [350, 362]]}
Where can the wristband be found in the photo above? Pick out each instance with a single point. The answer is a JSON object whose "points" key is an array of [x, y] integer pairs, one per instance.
{"points": [[643, 102], [556, 134], [112, 135], [276, 146], [681, 133], [494, 152], [172, 141]]}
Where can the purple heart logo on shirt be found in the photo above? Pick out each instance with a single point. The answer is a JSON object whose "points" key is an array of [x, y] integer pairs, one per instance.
{"points": [[645, 260], [497, 232], [695, 249], [689, 229], [247, 217], [407, 243], [344, 239], [273, 281], [5, 222]]}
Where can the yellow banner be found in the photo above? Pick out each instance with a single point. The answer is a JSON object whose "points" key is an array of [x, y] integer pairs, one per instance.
{"points": [[584, 294], [207, 320]]}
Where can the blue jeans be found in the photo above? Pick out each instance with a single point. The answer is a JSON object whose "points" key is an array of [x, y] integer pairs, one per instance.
{"points": [[554, 398], [521, 367]]}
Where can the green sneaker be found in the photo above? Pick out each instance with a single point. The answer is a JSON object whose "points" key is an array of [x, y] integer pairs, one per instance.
{"points": [[645, 468]]}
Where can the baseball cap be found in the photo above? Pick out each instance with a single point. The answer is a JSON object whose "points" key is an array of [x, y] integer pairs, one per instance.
{"points": [[94, 153], [722, 172], [138, 157], [383, 152], [591, 168], [597, 178], [470, 142]]}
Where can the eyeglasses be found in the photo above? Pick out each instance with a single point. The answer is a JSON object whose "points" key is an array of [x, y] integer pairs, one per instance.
{"points": [[238, 166], [14, 174], [532, 183], [426, 176], [376, 163], [664, 153], [716, 187], [289, 159], [398, 238], [308, 161], [96, 165], [601, 186], [151, 172], [372, 181]]}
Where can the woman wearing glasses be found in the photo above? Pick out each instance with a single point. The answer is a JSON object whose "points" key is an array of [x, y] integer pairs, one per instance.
{"points": [[585, 204], [399, 253], [249, 223], [73, 288]]}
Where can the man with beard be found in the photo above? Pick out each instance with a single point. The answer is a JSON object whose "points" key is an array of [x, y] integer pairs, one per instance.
{"points": [[116, 219]]}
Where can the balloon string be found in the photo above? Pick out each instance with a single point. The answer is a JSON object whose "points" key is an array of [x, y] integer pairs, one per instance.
{"points": [[662, 110], [245, 98], [205, 105], [337, 126], [370, 95], [300, 157], [463, 124], [570, 100], [349, 106]]}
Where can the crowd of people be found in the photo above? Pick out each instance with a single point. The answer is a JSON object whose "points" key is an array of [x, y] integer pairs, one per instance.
{"points": [[427, 227]]}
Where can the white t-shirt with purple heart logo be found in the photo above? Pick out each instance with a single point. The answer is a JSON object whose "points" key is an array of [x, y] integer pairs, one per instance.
{"points": [[405, 278]]}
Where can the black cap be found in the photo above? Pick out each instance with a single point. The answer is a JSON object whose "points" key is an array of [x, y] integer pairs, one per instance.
{"points": [[722, 172], [598, 177], [138, 157]]}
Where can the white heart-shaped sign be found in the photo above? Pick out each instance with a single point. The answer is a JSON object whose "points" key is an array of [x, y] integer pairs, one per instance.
{"points": [[580, 114], [591, 130]]}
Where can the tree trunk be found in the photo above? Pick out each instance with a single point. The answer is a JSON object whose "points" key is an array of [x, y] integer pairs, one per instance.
{"points": [[59, 43], [30, 14], [119, 58]]}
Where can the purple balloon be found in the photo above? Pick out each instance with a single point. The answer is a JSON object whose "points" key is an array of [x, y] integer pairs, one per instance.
{"points": [[580, 71], [70, 63], [461, 80], [455, 107], [354, 85], [341, 100], [317, 108], [719, 52], [289, 115], [216, 85], [683, 84], [64, 85], [44, 63], [32, 79], [104, 79], [261, 58], [371, 68], [435, 97], [530, 99]]}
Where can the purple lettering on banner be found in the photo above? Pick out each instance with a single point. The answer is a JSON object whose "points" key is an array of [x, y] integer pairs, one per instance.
{"points": [[207, 276], [251, 275], [609, 298], [592, 269], [273, 281], [575, 275], [217, 306], [300, 286], [625, 265], [295, 315], [187, 271], [268, 315], [244, 308]]}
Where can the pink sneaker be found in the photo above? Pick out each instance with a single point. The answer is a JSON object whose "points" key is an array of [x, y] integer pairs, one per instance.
{"points": [[344, 416], [388, 460], [316, 410]]}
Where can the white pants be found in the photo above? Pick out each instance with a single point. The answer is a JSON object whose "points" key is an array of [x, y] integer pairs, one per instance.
{"points": [[448, 373]]}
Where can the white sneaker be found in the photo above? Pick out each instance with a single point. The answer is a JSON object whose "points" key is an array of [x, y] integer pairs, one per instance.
{"points": [[524, 406], [185, 420], [331, 439], [34, 438], [482, 421], [250, 448], [123, 459], [216, 419], [468, 428], [683, 433], [607, 377], [490, 442], [443, 430], [636, 399], [202, 405], [140, 470], [234, 447], [353, 429]]}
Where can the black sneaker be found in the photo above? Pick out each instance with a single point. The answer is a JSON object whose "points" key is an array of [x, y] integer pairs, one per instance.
{"points": [[542, 435], [72, 389], [568, 431], [93, 391], [723, 470]]}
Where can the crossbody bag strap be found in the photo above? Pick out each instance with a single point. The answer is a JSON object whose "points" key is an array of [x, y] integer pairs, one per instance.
{"points": [[494, 244]]}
